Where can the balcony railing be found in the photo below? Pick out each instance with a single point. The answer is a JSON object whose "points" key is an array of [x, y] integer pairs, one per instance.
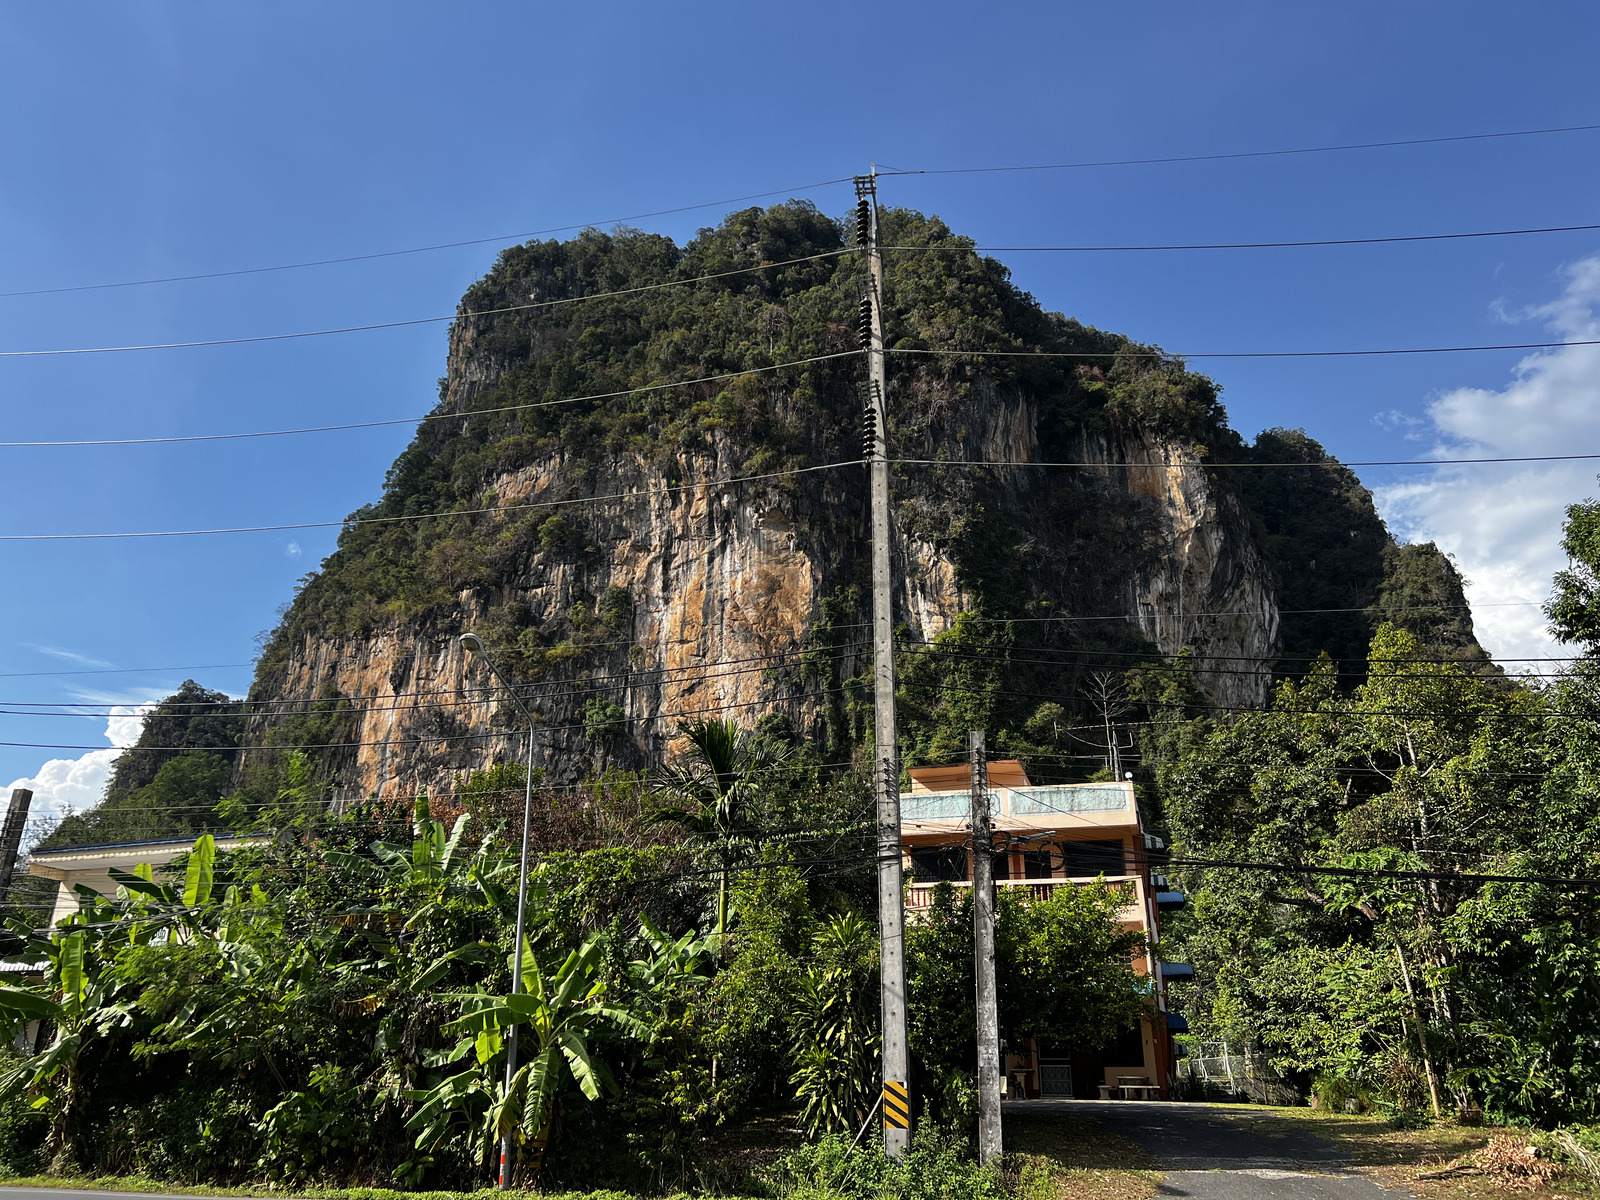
{"points": [[920, 895], [1066, 799]]}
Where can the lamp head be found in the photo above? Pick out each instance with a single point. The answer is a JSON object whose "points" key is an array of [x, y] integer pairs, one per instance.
{"points": [[471, 643]]}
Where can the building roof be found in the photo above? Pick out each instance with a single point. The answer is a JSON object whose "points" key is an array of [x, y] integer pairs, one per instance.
{"points": [[179, 844], [1003, 772]]}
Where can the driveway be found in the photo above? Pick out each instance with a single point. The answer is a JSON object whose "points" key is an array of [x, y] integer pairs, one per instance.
{"points": [[1226, 1152]]}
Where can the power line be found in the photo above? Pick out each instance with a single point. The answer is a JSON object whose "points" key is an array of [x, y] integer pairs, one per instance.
{"points": [[465, 415], [458, 512], [857, 625], [808, 187], [1242, 154], [120, 671], [626, 681], [1004, 652], [1247, 612], [772, 702], [1329, 464], [1283, 245], [1381, 873], [456, 316], [352, 258], [463, 316], [646, 494], [1175, 354]]}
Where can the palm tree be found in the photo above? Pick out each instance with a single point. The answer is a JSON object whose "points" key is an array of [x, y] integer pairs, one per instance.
{"points": [[713, 791]]}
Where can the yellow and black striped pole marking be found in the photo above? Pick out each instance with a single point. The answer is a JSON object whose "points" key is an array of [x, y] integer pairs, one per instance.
{"points": [[896, 1105]]}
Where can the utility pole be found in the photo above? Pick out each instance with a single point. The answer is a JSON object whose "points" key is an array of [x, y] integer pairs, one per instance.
{"points": [[983, 956], [11, 835], [886, 776], [471, 643]]}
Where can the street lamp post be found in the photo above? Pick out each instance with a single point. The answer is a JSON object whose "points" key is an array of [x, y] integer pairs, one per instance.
{"points": [[473, 644]]}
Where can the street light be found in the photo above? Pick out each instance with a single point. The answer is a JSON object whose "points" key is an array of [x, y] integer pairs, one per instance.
{"points": [[473, 644]]}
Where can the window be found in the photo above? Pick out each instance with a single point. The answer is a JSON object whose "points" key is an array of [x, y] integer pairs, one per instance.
{"points": [[937, 864], [1036, 864], [1092, 858]]}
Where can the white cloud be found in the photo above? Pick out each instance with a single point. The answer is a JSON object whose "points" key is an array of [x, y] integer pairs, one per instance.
{"points": [[71, 656], [1395, 421], [1502, 523], [63, 786], [292, 549]]}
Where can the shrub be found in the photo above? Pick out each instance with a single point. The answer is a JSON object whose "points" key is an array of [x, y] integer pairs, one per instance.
{"points": [[22, 1131], [936, 1168], [601, 719]]}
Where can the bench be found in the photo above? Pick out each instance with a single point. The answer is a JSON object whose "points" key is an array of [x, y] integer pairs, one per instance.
{"points": [[1137, 1087]]}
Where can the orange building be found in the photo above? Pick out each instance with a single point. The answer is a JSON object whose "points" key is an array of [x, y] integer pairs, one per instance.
{"points": [[1045, 838]]}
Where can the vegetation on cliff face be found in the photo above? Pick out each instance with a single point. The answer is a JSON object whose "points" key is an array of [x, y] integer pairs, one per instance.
{"points": [[166, 784], [1337, 571], [1057, 542]]}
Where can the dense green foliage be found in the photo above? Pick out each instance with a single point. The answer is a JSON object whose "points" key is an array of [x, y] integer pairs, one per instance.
{"points": [[1574, 610], [1067, 977], [333, 1005], [1336, 570], [166, 784], [1383, 981]]}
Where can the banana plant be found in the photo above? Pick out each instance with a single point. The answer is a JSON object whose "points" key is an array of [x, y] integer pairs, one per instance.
{"points": [[82, 1007], [81, 998], [436, 864], [558, 1017]]}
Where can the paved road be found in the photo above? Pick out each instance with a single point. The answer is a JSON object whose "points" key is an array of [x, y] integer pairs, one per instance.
{"points": [[1247, 1154]]}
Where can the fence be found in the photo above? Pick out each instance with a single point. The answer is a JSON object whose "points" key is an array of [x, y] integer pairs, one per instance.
{"points": [[1217, 1069]]}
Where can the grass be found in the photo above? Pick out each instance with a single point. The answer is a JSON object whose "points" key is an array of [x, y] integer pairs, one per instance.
{"points": [[1394, 1157], [1049, 1156], [140, 1183], [1073, 1157]]}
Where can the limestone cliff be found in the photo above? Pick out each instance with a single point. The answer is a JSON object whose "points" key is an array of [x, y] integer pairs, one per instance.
{"points": [[624, 576]]}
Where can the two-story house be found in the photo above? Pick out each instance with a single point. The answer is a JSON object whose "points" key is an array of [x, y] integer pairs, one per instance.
{"points": [[1046, 838]]}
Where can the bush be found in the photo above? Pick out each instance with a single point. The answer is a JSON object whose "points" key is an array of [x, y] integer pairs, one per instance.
{"points": [[22, 1131], [1336, 1094], [936, 1168], [601, 719]]}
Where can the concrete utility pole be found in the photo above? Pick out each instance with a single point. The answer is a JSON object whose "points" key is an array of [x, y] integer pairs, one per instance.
{"points": [[891, 900], [983, 956], [11, 835]]}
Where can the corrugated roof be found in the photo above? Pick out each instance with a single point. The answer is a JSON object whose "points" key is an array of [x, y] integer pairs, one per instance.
{"points": [[187, 842]]}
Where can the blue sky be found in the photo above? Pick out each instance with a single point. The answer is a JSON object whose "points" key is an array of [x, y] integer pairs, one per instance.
{"points": [[165, 139]]}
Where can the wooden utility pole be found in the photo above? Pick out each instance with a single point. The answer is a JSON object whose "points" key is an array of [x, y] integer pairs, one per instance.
{"points": [[11, 835], [886, 776], [989, 1140]]}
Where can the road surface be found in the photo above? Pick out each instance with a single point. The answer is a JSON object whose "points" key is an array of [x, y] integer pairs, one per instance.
{"points": [[1217, 1152]]}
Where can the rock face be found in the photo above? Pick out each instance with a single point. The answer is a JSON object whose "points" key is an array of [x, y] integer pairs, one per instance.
{"points": [[726, 584], [634, 584]]}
